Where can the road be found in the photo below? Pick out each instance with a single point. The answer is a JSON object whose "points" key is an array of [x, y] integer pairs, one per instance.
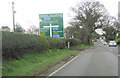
{"points": [[99, 60]]}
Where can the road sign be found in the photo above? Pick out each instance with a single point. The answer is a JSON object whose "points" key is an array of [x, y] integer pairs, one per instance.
{"points": [[52, 23], [44, 29]]}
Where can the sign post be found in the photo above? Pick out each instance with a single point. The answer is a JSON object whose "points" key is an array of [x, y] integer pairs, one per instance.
{"points": [[68, 44]]}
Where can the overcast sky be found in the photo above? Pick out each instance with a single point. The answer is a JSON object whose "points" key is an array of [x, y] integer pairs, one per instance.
{"points": [[27, 11]]}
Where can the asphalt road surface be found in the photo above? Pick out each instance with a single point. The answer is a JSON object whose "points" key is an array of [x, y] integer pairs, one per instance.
{"points": [[99, 60]]}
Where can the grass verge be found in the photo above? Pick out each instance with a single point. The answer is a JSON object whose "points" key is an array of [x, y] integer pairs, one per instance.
{"points": [[81, 47], [33, 63]]}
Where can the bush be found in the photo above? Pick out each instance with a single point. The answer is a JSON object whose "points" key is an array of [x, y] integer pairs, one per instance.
{"points": [[52, 42], [61, 44], [73, 42], [118, 41], [15, 45], [56, 43]]}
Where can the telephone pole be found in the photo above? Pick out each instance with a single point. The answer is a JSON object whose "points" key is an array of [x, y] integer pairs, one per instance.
{"points": [[13, 16]]}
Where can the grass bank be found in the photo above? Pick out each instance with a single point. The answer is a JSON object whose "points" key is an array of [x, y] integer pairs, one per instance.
{"points": [[33, 63], [82, 47]]}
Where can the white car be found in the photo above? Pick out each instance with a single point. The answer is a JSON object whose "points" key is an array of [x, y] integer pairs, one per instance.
{"points": [[104, 43], [112, 43]]}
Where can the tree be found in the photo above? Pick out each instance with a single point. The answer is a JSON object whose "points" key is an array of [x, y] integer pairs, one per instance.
{"points": [[90, 16], [95, 35], [110, 33], [18, 28], [33, 30], [5, 28], [74, 32], [69, 31], [117, 25]]}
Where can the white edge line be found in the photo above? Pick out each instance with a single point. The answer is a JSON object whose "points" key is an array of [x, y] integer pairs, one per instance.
{"points": [[64, 65]]}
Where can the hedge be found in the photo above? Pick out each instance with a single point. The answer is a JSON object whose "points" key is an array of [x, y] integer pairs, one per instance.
{"points": [[16, 45], [58, 43], [73, 42]]}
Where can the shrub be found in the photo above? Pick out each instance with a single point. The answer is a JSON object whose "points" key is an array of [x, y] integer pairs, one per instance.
{"points": [[58, 43], [15, 45], [61, 44], [73, 42], [52, 42]]}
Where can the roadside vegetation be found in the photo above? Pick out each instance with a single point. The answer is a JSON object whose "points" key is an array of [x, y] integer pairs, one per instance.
{"points": [[111, 34], [34, 63], [82, 47], [26, 54]]}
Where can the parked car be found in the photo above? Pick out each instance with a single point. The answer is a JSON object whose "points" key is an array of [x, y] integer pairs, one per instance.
{"points": [[112, 43], [104, 43]]}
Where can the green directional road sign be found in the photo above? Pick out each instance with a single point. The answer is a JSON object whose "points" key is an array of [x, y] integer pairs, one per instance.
{"points": [[52, 24]]}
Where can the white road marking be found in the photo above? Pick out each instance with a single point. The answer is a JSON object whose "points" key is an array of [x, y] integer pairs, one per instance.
{"points": [[64, 65]]}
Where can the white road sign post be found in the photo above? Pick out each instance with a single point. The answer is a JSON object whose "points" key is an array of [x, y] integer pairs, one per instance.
{"points": [[68, 44], [51, 28]]}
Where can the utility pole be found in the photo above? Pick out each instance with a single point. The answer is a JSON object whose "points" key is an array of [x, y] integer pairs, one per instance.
{"points": [[13, 16]]}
